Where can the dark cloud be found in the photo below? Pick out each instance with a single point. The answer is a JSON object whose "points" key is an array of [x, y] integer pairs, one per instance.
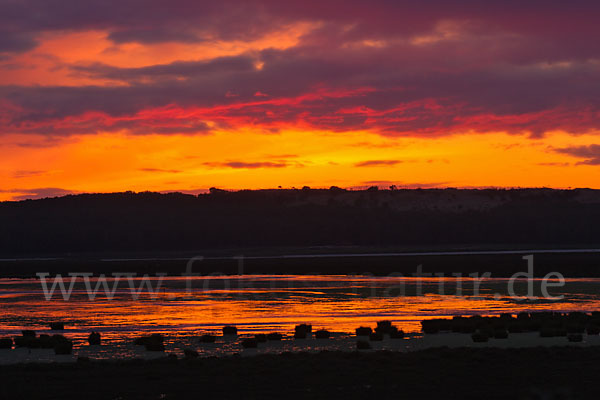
{"points": [[553, 26], [590, 154], [179, 69], [249, 165], [160, 20], [37, 193], [513, 99], [554, 164], [377, 163], [27, 173], [398, 68], [11, 42], [143, 21], [281, 156], [150, 35], [170, 171]]}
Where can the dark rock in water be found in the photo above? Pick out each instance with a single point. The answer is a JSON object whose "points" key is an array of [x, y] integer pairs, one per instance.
{"points": [[523, 315], [28, 333], [94, 339], [140, 341], [58, 338], [385, 324], [46, 342], [458, 324], [376, 337], [57, 326], [384, 327], [500, 334], [155, 346], [260, 337], [363, 331], [154, 342], [300, 335], [28, 341], [6, 343], [363, 345], [249, 343], [322, 334], [189, 353], [154, 338], [157, 337], [430, 326], [396, 333], [479, 337], [20, 341], [306, 328], [230, 330], [62, 345], [274, 336], [575, 337], [208, 338], [547, 323]]}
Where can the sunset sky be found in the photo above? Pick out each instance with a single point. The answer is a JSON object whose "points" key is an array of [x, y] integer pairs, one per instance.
{"points": [[184, 95]]}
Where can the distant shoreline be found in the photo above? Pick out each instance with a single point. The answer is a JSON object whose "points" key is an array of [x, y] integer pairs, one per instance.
{"points": [[328, 255], [573, 262]]}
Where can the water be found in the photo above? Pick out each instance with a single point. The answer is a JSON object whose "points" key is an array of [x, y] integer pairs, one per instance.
{"points": [[184, 308]]}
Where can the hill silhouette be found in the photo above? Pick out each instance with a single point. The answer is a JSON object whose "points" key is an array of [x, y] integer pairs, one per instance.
{"points": [[299, 217]]}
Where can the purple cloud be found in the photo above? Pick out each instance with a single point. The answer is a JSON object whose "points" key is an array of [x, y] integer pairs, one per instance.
{"points": [[170, 171], [590, 154], [397, 68], [249, 165], [37, 193], [377, 163]]}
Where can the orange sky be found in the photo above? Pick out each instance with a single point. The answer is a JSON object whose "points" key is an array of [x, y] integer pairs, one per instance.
{"points": [[250, 140], [118, 162]]}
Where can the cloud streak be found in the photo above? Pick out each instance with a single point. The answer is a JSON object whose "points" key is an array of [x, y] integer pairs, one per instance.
{"points": [[37, 193], [169, 171], [250, 165], [590, 153], [377, 163]]}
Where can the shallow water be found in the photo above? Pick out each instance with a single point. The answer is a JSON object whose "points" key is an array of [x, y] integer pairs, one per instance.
{"points": [[183, 308]]}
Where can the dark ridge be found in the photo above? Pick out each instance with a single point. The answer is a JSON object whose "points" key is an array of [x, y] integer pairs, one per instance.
{"points": [[139, 222]]}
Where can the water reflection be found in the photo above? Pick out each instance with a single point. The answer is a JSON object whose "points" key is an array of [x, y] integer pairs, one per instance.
{"points": [[271, 303]]}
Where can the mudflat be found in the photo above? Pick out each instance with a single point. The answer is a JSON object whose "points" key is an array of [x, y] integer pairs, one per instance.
{"points": [[534, 373]]}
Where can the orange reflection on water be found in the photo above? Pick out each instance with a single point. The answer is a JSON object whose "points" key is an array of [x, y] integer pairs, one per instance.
{"points": [[273, 303]]}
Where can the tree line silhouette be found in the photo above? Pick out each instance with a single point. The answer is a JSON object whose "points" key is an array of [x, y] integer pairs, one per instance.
{"points": [[298, 217]]}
